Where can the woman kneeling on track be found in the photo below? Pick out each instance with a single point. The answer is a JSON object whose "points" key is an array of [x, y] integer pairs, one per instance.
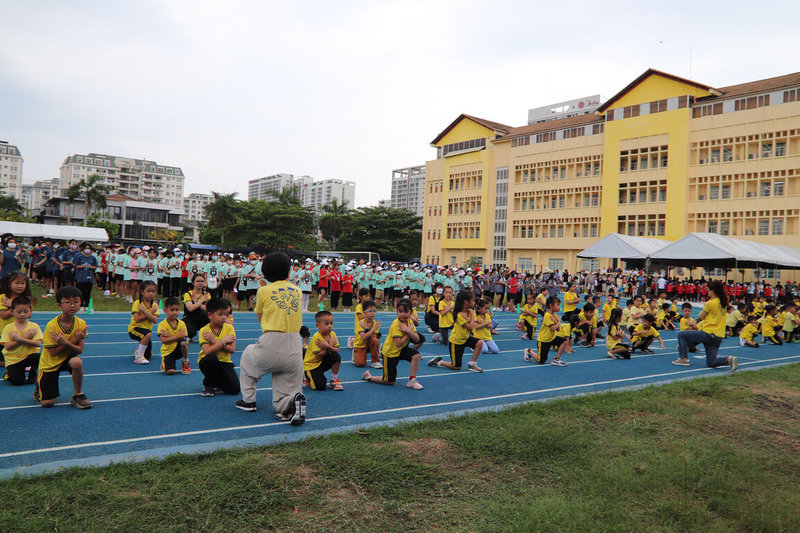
{"points": [[711, 333]]}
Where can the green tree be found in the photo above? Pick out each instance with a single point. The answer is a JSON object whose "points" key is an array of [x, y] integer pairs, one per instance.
{"points": [[96, 221], [288, 195], [94, 194], [11, 210], [393, 233], [222, 213], [334, 217]]}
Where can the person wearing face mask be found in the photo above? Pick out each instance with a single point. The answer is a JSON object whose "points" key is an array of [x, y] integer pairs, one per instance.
{"points": [[68, 263], [193, 266], [11, 256], [431, 318], [229, 279], [85, 266], [213, 271]]}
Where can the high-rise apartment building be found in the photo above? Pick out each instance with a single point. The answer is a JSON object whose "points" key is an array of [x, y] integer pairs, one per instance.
{"points": [[194, 206], [10, 170], [408, 189], [139, 178], [34, 195], [264, 188], [312, 193], [663, 157]]}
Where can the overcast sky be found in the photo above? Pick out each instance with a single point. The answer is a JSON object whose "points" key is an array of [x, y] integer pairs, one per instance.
{"points": [[234, 90]]}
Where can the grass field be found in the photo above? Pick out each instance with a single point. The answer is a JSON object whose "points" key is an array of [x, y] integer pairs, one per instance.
{"points": [[718, 454]]}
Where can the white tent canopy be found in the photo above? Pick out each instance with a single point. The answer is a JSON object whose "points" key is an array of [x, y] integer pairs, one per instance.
{"points": [[52, 231], [619, 246], [712, 250]]}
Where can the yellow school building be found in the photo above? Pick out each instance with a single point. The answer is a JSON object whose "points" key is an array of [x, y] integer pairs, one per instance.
{"points": [[663, 157]]}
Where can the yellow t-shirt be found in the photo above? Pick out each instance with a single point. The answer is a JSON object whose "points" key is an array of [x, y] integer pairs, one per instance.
{"points": [[546, 333], [607, 311], [789, 322], [714, 322], [685, 323], [432, 303], [593, 320], [358, 317], [541, 301], [22, 351], [485, 334], [626, 319], [571, 301], [146, 324], [564, 330], [225, 330], [662, 316], [164, 328], [610, 340], [445, 319], [460, 333], [358, 340], [5, 305], [734, 317], [390, 349], [531, 308], [281, 307], [651, 332], [768, 326], [49, 362], [188, 297], [748, 332], [314, 353]]}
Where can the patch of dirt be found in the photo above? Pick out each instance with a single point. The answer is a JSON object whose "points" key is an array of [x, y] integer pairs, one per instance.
{"points": [[427, 451], [771, 401]]}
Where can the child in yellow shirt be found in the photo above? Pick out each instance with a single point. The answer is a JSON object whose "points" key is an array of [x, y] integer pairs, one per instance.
{"points": [[172, 333], [322, 355], [528, 317], [22, 341], [217, 343], [747, 336]]}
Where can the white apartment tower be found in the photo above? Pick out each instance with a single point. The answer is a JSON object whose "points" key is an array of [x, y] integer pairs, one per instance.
{"points": [[408, 189], [194, 206], [312, 193], [10, 170], [138, 178], [34, 195]]}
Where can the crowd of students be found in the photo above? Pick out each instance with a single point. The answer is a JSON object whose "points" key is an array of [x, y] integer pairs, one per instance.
{"points": [[455, 306]]}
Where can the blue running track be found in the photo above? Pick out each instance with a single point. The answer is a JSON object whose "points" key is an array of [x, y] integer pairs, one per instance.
{"points": [[140, 413]]}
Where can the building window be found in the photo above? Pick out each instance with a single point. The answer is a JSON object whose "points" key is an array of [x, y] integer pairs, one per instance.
{"points": [[555, 264], [713, 192], [662, 194], [777, 226], [661, 229], [763, 227], [777, 188], [561, 231], [593, 230], [726, 192], [791, 96], [724, 227], [712, 226], [764, 189]]}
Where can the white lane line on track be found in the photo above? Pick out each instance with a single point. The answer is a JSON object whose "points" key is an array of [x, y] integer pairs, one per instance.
{"points": [[348, 415], [399, 378]]}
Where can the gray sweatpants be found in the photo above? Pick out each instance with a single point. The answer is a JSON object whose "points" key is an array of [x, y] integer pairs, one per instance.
{"points": [[279, 354]]}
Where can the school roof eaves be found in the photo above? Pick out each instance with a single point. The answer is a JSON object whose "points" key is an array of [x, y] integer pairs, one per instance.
{"points": [[646, 74], [495, 126]]}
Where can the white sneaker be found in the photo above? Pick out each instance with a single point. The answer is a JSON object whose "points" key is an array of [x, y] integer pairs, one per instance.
{"points": [[473, 367], [414, 384], [376, 364], [350, 342], [366, 375], [141, 361]]}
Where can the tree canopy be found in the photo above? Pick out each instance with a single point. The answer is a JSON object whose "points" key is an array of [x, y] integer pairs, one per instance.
{"points": [[393, 233]]}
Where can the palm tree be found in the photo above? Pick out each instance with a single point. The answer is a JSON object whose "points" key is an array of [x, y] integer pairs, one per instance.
{"points": [[220, 212], [94, 195], [288, 195], [333, 220]]}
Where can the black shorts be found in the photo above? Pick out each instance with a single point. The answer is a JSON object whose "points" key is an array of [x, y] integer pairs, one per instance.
{"points": [[316, 376], [168, 361], [138, 333], [251, 293], [457, 350], [118, 278], [241, 295], [390, 363], [68, 276], [228, 284], [48, 381], [15, 373], [39, 271], [48, 274]]}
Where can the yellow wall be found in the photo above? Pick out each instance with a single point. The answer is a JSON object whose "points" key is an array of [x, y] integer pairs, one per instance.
{"points": [[657, 87]]}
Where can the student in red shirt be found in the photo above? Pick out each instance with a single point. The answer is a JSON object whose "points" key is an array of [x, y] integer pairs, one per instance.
{"points": [[347, 288], [322, 284], [335, 284], [513, 292]]}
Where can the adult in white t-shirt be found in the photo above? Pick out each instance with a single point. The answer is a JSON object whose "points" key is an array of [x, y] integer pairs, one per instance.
{"points": [[662, 284]]}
